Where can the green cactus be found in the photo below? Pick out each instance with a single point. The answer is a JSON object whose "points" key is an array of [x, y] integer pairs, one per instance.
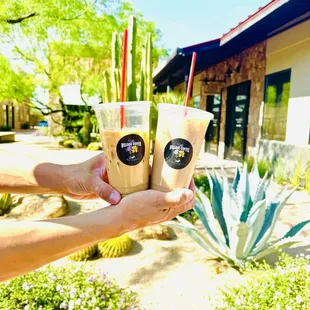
{"points": [[115, 247], [148, 68], [246, 216], [107, 94], [87, 129], [131, 59], [5, 203], [142, 76], [84, 254], [115, 73]]}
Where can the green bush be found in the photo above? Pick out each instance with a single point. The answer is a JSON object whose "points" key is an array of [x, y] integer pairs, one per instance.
{"points": [[280, 171], [5, 128], [262, 165], [66, 287], [25, 125], [297, 174], [69, 144], [202, 182], [285, 287], [94, 146]]}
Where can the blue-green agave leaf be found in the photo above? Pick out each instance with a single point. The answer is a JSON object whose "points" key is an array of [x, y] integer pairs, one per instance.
{"points": [[236, 179], [201, 239], [260, 191], [294, 230], [217, 196], [273, 211], [285, 243], [238, 237], [243, 194], [255, 222]]}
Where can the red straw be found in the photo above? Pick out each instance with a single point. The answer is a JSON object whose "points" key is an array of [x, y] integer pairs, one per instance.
{"points": [[123, 84], [191, 78]]}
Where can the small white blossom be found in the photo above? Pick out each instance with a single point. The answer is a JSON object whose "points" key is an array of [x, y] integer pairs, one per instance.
{"points": [[97, 308], [26, 307], [58, 287], [71, 305], [26, 286], [292, 279], [278, 307], [299, 299], [63, 305], [237, 301], [78, 301], [288, 290], [307, 267], [288, 308], [307, 256], [256, 306]]}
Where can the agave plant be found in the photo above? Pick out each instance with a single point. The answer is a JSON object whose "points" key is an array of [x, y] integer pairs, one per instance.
{"points": [[241, 218]]}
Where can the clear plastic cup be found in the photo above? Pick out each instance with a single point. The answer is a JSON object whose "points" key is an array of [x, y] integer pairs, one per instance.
{"points": [[179, 137], [126, 149]]}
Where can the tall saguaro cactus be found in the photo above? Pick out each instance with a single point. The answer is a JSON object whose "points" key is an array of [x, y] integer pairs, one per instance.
{"points": [[131, 61], [115, 74], [148, 68]]}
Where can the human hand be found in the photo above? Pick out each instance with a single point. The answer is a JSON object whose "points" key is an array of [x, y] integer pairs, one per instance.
{"points": [[153, 207], [89, 180]]}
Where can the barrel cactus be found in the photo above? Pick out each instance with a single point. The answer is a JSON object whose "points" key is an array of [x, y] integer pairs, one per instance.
{"points": [[115, 247], [84, 254], [241, 218]]}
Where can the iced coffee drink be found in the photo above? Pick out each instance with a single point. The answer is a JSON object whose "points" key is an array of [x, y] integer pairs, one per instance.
{"points": [[125, 148], [179, 138]]}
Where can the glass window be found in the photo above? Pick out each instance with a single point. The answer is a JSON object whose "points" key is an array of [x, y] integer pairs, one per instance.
{"points": [[277, 94], [197, 102]]}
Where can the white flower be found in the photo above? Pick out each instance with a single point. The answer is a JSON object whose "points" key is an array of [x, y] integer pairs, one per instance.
{"points": [[237, 301], [26, 286], [78, 301], [256, 306], [278, 307], [299, 299], [58, 287], [288, 290], [93, 300], [292, 279], [40, 308], [295, 269], [288, 308], [26, 307], [307, 256], [71, 305], [63, 305], [73, 292], [307, 267], [97, 308]]}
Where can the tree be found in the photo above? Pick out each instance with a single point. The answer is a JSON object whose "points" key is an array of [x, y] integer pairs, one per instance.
{"points": [[62, 42]]}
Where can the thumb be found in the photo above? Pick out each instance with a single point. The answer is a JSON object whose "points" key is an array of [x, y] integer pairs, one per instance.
{"points": [[176, 198], [106, 191]]}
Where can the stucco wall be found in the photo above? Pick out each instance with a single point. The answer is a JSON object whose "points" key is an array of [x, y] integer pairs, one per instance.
{"points": [[291, 49]]}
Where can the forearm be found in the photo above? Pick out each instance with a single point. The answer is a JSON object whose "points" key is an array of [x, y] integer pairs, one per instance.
{"points": [[22, 174], [26, 246]]}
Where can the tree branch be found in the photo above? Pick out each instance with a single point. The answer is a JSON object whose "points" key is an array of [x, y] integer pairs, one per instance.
{"points": [[20, 19]]}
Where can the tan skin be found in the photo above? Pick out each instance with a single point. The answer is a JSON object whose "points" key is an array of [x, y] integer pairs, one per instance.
{"points": [[25, 246]]}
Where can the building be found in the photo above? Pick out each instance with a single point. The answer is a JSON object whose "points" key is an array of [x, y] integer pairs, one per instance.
{"points": [[255, 80], [13, 116]]}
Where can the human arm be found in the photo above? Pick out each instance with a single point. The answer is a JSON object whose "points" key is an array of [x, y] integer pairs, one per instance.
{"points": [[25, 175], [25, 246]]}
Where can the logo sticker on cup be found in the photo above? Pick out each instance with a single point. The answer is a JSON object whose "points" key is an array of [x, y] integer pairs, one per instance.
{"points": [[178, 153], [130, 149]]}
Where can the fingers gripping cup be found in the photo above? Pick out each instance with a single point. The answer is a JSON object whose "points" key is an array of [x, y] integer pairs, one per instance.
{"points": [[179, 137], [125, 144]]}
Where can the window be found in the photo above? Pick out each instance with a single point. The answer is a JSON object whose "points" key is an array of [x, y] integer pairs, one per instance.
{"points": [[277, 94], [197, 102]]}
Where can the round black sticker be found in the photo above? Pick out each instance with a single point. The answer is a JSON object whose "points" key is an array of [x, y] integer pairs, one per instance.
{"points": [[178, 153], [130, 149]]}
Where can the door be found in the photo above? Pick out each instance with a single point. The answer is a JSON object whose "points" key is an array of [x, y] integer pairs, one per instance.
{"points": [[214, 103], [238, 99]]}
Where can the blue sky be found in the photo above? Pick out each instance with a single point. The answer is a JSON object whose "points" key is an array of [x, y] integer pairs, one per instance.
{"points": [[188, 22]]}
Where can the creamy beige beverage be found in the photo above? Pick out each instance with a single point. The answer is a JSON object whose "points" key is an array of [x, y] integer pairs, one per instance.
{"points": [[126, 154], [179, 139]]}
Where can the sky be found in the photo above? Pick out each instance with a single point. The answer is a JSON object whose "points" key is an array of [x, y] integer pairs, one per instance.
{"points": [[188, 22]]}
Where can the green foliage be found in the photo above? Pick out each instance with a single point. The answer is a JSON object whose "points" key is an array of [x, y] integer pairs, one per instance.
{"points": [[5, 203], [67, 287], [84, 254], [262, 165], [86, 130], [64, 42], [5, 128], [286, 287], [94, 146], [115, 247], [69, 144], [25, 125], [280, 171], [296, 177], [241, 218]]}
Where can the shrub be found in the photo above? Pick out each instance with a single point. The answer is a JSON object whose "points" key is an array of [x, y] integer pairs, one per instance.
{"points": [[94, 146], [280, 171], [262, 165], [25, 125], [285, 287], [5, 128], [65, 287], [296, 177]]}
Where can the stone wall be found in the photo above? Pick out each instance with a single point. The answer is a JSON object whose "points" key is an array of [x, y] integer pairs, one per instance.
{"points": [[251, 64]]}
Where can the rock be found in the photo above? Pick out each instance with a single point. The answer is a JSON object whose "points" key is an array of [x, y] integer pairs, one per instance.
{"points": [[39, 207], [159, 232]]}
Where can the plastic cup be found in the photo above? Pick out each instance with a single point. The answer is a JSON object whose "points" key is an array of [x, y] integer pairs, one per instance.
{"points": [[179, 137], [126, 149]]}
